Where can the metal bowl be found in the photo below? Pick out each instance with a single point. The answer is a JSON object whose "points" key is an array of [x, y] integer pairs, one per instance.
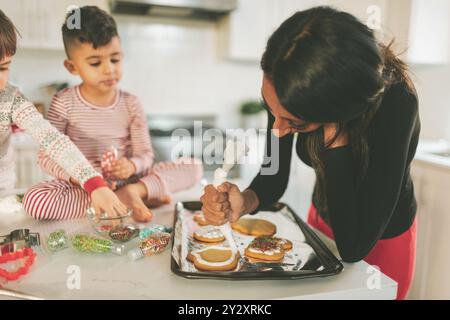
{"points": [[104, 224]]}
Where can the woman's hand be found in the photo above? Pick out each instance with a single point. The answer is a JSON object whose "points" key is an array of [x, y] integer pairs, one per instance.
{"points": [[122, 169], [227, 203], [105, 200], [329, 130]]}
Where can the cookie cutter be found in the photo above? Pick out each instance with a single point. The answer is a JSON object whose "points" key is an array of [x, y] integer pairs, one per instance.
{"points": [[17, 240]]}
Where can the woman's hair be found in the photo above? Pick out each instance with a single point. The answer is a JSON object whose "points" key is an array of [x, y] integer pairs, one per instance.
{"points": [[326, 66], [8, 37]]}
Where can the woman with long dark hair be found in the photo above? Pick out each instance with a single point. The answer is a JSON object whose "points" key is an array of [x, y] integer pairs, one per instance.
{"points": [[354, 110]]}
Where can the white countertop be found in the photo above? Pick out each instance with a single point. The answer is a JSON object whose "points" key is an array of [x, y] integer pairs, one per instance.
{"points": [[427, 148], [114, 277]]}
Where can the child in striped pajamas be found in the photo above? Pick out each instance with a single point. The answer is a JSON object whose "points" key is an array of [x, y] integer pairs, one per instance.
{"points": [[16, 109], [95, 115]]}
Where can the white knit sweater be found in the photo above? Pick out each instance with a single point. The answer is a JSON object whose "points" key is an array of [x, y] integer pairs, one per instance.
{"points": [[15, 108]]}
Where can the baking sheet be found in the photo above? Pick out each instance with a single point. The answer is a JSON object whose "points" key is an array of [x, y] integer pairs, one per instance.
{"points": [[307, 258]]}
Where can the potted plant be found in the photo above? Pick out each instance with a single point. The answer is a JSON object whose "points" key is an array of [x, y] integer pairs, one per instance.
{"points": [[252, 115]]}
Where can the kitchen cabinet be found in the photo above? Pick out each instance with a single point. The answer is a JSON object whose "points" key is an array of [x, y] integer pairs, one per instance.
{"points": [[432, 189], [244, 33], [374, 13], [39, 21], [420, 28], [429, 32]]}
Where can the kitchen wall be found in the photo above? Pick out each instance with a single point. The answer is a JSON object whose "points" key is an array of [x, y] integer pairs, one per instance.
{"points": [[431, 80], [433, 83], [173, 66]]}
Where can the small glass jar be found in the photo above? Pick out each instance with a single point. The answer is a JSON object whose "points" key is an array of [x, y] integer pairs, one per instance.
{"points": [[105, 223], [148, 231], [57, 240], [87, 243], [154, 244], [123, 233]]}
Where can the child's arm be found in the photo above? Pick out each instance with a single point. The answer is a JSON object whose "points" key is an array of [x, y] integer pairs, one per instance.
{"points": [[55, 144], [143, 155], [51, 167], [57, 116]]}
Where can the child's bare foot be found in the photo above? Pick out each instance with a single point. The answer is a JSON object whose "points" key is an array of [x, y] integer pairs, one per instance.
{"points": [[132, 195], [154, 203]]}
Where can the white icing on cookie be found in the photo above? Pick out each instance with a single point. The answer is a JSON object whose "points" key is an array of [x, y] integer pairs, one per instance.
{"points": [[267, 253], [209, 232], [200, 260]]}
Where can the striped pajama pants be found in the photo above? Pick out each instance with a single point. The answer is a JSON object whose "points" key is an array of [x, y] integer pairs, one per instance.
{"points": [[60, 200]]}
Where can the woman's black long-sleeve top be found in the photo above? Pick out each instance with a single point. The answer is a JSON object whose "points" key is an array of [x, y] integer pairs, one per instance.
{"points": [[383, 205]]}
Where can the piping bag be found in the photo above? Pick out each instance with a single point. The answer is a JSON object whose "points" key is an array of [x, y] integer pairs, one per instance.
{"points": [[234, 151]]}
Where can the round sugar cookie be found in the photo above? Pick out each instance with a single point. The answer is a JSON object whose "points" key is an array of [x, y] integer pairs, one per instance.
{"points": [[254, 227], [254, 260], [209, 234], [214, 259]]}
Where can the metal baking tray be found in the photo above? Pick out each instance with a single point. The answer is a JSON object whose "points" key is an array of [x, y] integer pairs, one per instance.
{"points": [[324, 264]]}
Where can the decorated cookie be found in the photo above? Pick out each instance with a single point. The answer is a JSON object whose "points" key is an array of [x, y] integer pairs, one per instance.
{"points": [[214, 259], [267, 248], [209, 234], [254, 227], [200, 219], [285, 243]]}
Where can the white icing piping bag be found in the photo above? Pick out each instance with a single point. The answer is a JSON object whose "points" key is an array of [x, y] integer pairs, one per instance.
{"points": [[234, 151]]}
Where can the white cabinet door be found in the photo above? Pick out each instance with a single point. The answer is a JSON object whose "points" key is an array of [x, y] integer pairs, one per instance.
{"points": [[423, 195], [429, 32], [373, 13], [284, 9], [248, 28], [432, 280]]}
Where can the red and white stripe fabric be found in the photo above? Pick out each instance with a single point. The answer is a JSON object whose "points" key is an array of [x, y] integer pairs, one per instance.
{"points": [[60, 200], [56, 200], [94, 129]]}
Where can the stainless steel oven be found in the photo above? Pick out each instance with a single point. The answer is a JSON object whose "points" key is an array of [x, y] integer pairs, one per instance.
{"points": [[164, 128]]}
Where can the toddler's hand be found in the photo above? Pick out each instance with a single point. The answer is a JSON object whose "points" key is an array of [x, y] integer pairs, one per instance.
{"points": [[122, 169]]}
